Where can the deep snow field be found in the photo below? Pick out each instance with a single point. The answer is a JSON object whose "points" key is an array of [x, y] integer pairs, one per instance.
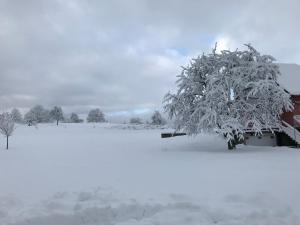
{"points": [[85, 174]]}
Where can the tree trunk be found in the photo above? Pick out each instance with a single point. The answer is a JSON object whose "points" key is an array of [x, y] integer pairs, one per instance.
{"points": [[56, 122], [7, 142], [231, 145]]}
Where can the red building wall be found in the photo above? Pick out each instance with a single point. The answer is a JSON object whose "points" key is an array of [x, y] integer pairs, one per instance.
{"points": [[289, 116]]}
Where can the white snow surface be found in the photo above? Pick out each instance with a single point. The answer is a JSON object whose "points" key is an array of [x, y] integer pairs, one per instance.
{"points": [[290, 77], [86, 174]]}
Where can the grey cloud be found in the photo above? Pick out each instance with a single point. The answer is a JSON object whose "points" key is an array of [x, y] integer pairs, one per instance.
{"points": [[125, 55]]}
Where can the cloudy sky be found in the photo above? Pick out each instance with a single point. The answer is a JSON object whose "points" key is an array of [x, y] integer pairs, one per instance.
{"points": [[124, 55]]}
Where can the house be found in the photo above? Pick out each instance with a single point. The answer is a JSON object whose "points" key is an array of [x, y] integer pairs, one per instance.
{"points": [[290, 133]]}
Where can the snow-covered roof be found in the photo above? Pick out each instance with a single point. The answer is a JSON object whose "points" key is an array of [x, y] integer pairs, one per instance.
{"points": [[290, 77]]}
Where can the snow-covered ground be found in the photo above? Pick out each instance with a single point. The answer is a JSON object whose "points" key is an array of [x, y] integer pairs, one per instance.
{"points": [[84, 174]]}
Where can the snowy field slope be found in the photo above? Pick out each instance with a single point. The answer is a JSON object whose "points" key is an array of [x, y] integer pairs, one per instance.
{"points": [[84, 174]]}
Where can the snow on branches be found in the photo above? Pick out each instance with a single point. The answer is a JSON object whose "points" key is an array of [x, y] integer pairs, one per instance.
{"points": [[227, 92], [7, 126]]}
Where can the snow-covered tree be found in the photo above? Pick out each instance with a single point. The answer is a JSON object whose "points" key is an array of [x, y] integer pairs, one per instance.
{"points": [[157, 119], [16, 115], [57, 114], [75, 119], [227, 92], [135, 120], [7, 126], [30, 118], [37, 114], [96, 116]]}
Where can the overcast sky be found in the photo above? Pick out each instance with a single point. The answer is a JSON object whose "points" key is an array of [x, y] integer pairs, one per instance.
{"points": [[124, 55]]}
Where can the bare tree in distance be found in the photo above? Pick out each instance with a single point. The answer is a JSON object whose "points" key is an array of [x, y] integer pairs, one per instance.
{"points": [[16, 115], [57, 114], [7, 126], [37, 114], [135, 120], [30, 118], [95, 115], [157, 119], [74, 118]]}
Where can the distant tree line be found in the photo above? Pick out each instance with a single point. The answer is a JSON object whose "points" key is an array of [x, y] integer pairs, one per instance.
{"points": [[156, 119], [39, 114]]}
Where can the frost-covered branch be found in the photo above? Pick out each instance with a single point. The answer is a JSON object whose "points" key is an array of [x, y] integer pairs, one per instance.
{"points": [[227, 92]]}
